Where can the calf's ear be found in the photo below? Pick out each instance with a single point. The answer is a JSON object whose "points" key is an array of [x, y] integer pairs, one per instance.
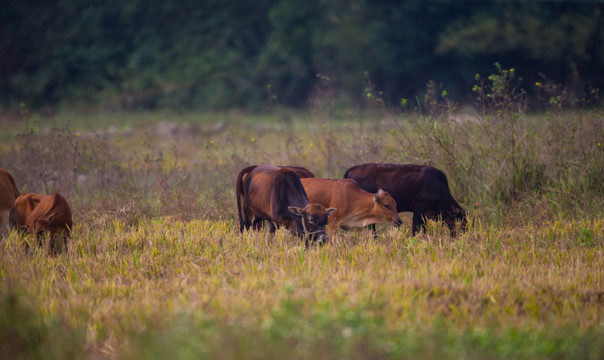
{"points": [[41, 221], [376, 198], [331, 211], [296, 210]]}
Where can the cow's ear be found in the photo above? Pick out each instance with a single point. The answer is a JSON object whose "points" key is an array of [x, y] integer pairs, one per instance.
{"points": [[41, 221], [296, 210], [376, 198], [331, 211]]}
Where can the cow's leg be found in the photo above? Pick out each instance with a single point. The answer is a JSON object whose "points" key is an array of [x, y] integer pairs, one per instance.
{"points": [[418, 222], [4, 216], [247, 222], [272, 226], [334, 225], [373, 230], [53, 243], [421, 213], [257, 224], [26, 241]]}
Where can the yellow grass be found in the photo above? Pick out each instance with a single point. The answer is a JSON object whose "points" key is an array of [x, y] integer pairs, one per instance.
{"points": [[115, 279]]}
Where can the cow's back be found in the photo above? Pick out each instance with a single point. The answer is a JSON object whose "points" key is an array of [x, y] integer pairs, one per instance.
{"points": [[331, 192], [267, 188], [408, 184], [54, 211]]}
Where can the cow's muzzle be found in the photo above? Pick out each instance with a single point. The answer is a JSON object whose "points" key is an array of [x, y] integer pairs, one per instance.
{"points": [[322, 239]]}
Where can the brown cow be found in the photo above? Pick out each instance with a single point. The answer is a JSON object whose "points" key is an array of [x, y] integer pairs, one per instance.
{"points": [[8, 194], [239, 188], [275, 194], [423, 190], [44, 215], [356, 207]]}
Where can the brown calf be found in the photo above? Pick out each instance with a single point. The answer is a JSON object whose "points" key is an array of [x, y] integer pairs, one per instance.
{"points": [[275, 194], [240, 191], [356, 207], [44, 215]]}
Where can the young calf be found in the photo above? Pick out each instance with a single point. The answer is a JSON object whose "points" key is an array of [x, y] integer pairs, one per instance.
{"points": [[44, 215], [356, 207]]}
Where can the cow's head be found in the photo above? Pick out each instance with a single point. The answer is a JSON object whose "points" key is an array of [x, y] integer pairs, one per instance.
{"points": [[453, 215], [384, 207], [311, 223], [49, 224], [55, 230]]}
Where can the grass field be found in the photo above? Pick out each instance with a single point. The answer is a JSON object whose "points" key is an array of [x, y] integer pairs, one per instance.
{"points": [[157, 268]]}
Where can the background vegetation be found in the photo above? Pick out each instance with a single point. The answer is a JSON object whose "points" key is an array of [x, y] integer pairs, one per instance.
{"points": [[218, 54]]}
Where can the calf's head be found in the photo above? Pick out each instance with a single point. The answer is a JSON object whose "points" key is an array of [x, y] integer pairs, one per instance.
{"points": [[56, 231], [310, 222], [51, 225], [384, 207]]}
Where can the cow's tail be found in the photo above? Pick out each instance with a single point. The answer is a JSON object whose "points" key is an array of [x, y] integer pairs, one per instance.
{"points": [[240, 193], [12, 183]]}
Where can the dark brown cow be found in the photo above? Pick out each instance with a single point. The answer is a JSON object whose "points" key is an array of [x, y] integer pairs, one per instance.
{"points": [[8, 194], [239, 187], [275, 194], [423, 190], [356, 207], [44, 215]]}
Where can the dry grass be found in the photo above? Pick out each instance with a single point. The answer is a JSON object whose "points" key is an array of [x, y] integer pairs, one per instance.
{"points": [[156, 267], [118, 281]]}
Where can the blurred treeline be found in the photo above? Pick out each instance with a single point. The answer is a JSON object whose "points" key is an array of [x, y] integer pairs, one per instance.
{"points": [[217, 54]]}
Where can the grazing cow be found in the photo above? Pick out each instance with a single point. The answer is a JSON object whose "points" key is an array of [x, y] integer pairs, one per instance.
{"points": [[356, 207], [44, 215], [8, 194], [423, 190], [275, 194], [239, 187]]}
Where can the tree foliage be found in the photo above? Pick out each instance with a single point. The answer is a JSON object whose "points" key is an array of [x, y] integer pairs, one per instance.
{"points": [[218, 54]]}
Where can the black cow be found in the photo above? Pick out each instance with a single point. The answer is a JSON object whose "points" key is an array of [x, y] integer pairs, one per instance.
{"points": [[276, 194], [423, 190]]}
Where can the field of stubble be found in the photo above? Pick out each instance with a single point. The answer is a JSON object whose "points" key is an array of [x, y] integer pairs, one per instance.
{"points": [[157, 268]]}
